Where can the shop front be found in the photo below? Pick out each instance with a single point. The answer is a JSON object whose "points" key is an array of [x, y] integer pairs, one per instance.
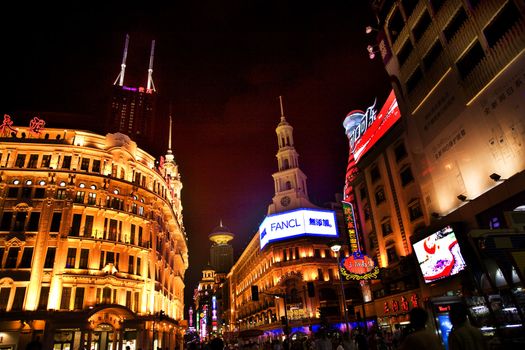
{"points": [[392, 311], [108, 327]]}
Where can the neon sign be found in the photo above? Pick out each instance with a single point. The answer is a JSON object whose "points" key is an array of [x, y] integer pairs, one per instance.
{"points": [[359, 266], [7, 125], [348, 212], [300, 222], [364, 129], [36, 125]]}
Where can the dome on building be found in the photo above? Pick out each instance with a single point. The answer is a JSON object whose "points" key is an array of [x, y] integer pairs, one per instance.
{"points": [[221, 234]]}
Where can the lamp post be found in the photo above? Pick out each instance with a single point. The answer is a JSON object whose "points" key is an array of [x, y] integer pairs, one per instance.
{"points": [[255, 290], [286, 330], [336, 247]]}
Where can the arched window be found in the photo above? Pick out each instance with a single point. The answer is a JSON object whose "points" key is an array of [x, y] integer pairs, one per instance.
{"points": [[288, 185]]}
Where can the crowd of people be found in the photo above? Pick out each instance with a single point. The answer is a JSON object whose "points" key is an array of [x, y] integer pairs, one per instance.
{"points": [[416, 337]]}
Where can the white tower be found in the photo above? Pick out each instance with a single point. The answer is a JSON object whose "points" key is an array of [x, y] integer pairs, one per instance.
{"points": [[171, 172], [290, 182]]}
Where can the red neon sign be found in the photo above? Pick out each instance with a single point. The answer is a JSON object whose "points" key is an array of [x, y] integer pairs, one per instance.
{"points": [[364, 129]]}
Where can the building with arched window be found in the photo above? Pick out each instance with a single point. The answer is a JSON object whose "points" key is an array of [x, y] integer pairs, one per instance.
{"points": [[92, 243], [288, 262]]}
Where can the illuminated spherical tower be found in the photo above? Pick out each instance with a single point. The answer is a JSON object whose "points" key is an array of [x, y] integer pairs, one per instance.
{"points": [[221, 252]]}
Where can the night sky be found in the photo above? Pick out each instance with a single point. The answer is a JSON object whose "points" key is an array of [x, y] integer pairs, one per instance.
{"points": [[222, 65]]}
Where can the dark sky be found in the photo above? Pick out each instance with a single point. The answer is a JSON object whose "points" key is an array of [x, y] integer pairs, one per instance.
{"points": [[222, 64]]}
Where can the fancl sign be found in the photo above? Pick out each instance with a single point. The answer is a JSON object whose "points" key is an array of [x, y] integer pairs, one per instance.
{"points": [[300, 222]]}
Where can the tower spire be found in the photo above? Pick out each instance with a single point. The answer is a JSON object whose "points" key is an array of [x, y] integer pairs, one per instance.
{"points": [[150, 84], [282, 109], [120, 77], [290, 182], [169, 153], [169, 139]]}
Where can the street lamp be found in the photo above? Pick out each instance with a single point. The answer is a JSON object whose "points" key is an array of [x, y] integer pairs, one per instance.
{"points": [[336, 247]]}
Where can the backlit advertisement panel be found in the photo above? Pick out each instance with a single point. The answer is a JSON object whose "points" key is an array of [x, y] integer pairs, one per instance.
{"points": [[439, 255], [295, 223], [364, 129]]}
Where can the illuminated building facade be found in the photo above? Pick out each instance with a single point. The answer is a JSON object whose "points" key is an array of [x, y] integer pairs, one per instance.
{"points": [[212, 294], [454, 163], [203, 295], [289, 259], [92, 244]]}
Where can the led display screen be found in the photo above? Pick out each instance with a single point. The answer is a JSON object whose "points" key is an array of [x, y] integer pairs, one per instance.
{"points": [[439, 255], [364, 129], [300, 222]]}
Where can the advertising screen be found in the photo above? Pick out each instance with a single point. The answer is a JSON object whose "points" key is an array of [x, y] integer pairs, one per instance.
{"points": [[439, 255], [300, 222], [364, 129]]}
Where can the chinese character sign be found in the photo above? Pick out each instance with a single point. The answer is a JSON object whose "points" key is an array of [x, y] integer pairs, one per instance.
{"points": [[36, 125], [7, 126]]}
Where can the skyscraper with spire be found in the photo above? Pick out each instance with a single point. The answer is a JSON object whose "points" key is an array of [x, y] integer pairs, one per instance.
{"points": [[132, 110]]}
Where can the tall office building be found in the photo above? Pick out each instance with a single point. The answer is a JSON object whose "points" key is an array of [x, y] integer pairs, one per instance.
{"points": [[221, 251], [132, 110], [444, 187]]}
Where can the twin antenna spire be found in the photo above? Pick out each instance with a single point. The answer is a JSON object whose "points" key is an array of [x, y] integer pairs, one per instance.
{"points": [[120, 78]]}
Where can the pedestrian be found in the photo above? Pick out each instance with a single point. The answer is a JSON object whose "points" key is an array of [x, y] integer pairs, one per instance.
{"points": [[420, 338], [348, 342], [361, 341], [463, 335], [323, 343]]}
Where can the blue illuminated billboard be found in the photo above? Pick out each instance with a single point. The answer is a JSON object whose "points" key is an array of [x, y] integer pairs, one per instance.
{"points": [[299, 222]]}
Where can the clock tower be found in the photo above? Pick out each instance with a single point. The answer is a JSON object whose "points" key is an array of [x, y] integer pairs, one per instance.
{"points": [[290, 182]]}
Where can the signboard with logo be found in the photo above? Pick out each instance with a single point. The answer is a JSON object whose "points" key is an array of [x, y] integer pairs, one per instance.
{"points": [[364, 129], [348, 212], [297, 223], [359, 266]]}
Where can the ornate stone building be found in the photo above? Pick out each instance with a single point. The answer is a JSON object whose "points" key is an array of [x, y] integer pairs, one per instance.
{"points": [[92, 243]]}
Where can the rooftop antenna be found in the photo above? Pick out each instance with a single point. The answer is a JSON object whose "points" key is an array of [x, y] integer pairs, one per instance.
{"points": [[150, 69], [282, 109], [169, 140], [120, 77], [169, 153]]}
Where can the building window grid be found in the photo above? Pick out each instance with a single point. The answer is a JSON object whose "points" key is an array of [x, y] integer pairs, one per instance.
{"points": [[27, 256], [18, 300], [33, 160], [71, 258], [79, 298], [65, 298]]}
